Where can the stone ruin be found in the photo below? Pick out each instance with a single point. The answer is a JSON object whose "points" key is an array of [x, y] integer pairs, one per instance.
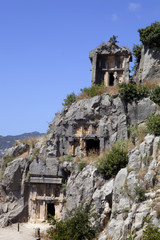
{"points": [[45, 195], [110, 64]]}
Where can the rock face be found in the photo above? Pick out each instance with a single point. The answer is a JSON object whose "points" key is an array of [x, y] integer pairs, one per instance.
{"points": [[14, 192], [149, 67], [89, 187], [142, 172], [43, 181], [94, 123], [91, 122]]}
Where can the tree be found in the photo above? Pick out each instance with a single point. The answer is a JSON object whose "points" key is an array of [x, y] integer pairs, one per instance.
{"points": [[136, 51], [150, 35]]}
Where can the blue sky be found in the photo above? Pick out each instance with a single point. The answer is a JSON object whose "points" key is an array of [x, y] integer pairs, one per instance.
{"points": [[44, 47]]}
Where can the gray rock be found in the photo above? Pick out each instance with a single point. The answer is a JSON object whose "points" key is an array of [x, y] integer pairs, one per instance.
{"points": [[138, 112], [104, 121], [5, 207], [149, 67], [48, 167], [12, 178], [89, 187], [134, 159], [17, 150], [141, 212]]}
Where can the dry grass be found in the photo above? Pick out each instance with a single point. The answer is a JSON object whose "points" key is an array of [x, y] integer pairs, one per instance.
{"points": [[30, 141], [157, 169], [141, 132], [156, 186], [156, 207], [109, 238], [151, 84], [92, 157], [23, 155], [130, 144], [109, 90], [44, 236], [142, 173]]}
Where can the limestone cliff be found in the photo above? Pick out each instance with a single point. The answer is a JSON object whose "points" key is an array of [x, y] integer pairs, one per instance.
{"points": [[149, 66], [41, 178]]}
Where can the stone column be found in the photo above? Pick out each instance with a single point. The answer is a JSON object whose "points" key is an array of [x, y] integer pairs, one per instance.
{"points": [[101, 145], [106, 79], [94, 66]]}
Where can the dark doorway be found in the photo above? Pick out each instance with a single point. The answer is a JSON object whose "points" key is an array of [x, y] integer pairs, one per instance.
{"points": [[111, 79], [50, 209], [92, 146]]}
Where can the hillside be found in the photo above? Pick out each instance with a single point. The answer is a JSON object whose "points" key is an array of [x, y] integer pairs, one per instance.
{"points": [[96, 173], [7, 141], [59, 172]]}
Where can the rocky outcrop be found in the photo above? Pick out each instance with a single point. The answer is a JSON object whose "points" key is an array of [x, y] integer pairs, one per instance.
{"points": [[142, 173], [16, 151], [90, 188], [96, 118], [14, 192], [149, 67], [8, 141], [115, 202], [138, 112], [100, 118]]}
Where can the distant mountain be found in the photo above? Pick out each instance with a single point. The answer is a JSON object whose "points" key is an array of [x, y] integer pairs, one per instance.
{"points": [[8, 141]]}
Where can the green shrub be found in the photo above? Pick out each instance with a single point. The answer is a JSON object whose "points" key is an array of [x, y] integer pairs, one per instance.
{"points": [[113, 161], [131, 235], [128, 92], [76, 226], [136, 50], [133, 132], [150, 232], [155, 95], [140, 193], [68, 158], [153, 124], [81, 165], [71, 98], [150, 35], [93, 91], [142, 92]]}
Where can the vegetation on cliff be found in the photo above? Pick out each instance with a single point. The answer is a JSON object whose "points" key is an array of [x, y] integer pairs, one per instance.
{"points": [[150, 36], [113, 161], [76, 226]]}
